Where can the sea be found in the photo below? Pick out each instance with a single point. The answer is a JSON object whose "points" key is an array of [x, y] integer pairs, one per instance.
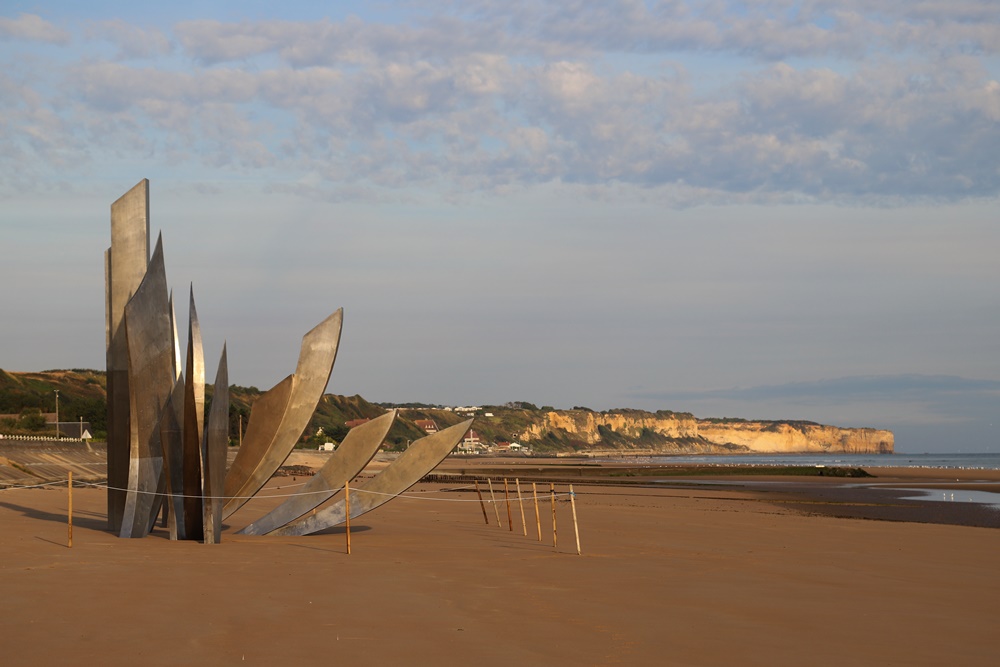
{"points": [[988, 461]]}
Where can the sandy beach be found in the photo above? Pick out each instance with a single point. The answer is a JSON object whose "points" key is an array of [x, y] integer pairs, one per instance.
{"points": [[705, 572]]}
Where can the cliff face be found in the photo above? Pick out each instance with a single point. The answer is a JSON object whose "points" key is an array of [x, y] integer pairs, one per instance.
{"points": [[676, 433], [585, 426], [779, 437]]}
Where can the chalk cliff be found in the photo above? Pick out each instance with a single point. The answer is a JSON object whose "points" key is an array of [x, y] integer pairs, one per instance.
{"points": [[674, 432]]}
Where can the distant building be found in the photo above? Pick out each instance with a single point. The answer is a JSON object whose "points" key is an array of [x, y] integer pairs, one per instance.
{"points": [[471, 440], [79, 430], [356, 422], [428, 425]]}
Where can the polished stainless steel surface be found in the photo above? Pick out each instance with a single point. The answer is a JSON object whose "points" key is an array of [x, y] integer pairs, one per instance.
{"points": [[124, 267], [213, 455], [353, 454], [422, 457], [151, 379], [194, 425], [316, 359]]}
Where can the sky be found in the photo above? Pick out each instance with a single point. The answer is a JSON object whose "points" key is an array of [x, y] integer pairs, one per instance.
{"points": [[766, 210]]}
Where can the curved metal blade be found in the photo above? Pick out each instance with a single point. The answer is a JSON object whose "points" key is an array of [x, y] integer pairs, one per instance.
{"points": [[316, 358], [151, 378], [423, 456], [354, 453], [265, 417]]}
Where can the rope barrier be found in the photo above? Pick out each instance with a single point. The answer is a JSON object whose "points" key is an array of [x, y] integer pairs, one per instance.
{"points": [[34, 486], [552, 494], [277, 495]]}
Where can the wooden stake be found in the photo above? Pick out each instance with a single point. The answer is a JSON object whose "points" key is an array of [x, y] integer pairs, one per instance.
{"points": [[69, 514], [520, 503], [482, 504], [538, 519], [493, 499], [506, 496], [552, 492], [347, 508], [576, 528]]}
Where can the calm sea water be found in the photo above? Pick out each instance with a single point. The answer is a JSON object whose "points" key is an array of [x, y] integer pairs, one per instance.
{"points": [[964, 461]]}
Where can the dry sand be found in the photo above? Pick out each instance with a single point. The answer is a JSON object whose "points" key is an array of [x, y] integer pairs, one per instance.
{"points": [[687, 575]]}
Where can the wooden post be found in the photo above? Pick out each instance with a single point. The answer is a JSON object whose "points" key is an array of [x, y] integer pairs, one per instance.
{"points": [[482, 504], [69, 514], [506, 497], [576, 528], [538, 519], [520, 503], [347, 508], [493, 499], [552, 493]]}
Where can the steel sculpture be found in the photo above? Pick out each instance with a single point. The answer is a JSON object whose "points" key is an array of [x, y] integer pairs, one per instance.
{"points": [[421, 457], [353, 454], [162, 448]]}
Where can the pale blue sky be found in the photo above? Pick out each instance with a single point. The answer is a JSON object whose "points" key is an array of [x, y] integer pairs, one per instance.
{"points": [[757, 209]]}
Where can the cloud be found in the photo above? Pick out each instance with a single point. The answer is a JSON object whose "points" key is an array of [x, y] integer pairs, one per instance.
{"points": [[916, 398], [132, 41], [479, 99], [31, 27]]}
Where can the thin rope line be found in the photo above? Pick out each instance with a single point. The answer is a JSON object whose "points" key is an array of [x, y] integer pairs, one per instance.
{"points": [[290, 495], [32, 486]]}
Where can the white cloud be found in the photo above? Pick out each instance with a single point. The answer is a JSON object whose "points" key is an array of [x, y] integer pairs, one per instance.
{"points": [[461, 105], [131, 41], [31, 27]]}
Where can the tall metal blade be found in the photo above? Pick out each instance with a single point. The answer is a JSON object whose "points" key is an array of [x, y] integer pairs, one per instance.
{"points": [[354, 453], [151, 379], [316, 359], [194, 424], [124, 267], [214, 454], [422, 457]]}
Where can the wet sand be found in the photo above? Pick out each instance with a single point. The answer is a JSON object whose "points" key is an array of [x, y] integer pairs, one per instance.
{"points": [[707, 572]]}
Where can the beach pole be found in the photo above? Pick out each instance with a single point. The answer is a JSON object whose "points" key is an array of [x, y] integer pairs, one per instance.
{"points": [[576, 528], [481, 503], [69, 514], [347, 514], [520, 503], [538, 518], [506, 496], [552, 492], [493, 500]]}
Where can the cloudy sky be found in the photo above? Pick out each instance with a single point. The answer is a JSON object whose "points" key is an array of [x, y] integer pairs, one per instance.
{"points": [[773, 209]]}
